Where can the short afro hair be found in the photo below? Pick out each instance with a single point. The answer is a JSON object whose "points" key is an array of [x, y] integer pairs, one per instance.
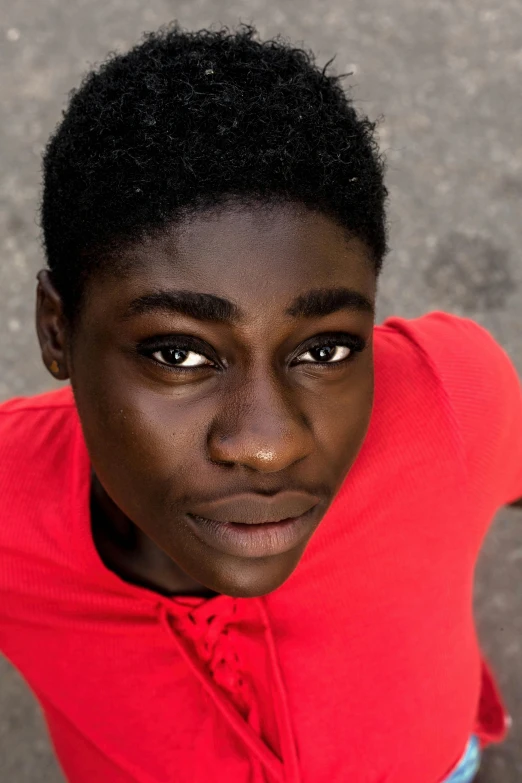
{"points": [[186, 121]]}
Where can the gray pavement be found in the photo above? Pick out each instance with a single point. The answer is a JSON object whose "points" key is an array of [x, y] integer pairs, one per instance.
{"points": [[446, 76]]}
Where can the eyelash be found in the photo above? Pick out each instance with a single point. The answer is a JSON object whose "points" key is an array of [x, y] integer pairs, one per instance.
{"points": [[356, 345]]}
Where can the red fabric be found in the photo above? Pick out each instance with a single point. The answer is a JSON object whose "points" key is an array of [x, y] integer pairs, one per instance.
{"points": [[363, 667]]}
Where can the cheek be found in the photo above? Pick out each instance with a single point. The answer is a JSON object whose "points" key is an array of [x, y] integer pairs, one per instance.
{"points": [[139, 443], [345, 423]]}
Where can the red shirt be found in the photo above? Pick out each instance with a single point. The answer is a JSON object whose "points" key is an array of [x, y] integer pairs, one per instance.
{"points": [[363, 666]]}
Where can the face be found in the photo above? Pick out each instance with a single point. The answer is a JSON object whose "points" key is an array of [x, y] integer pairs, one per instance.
{"points": [[223, 425]]}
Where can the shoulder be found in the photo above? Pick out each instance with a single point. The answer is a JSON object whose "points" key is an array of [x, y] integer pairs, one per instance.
{"points": [[482, 390], [52, 399], [451, 343], [34, 425], [22, 415], [35, 433]]}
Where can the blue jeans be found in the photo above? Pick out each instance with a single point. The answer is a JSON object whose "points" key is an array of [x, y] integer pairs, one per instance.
{"points": [[468, 765]]}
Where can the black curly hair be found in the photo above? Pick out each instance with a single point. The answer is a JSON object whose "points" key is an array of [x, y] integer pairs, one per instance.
{"points": [[187, 121]]}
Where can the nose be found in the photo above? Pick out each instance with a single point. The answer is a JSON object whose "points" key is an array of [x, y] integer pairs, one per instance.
{"points": [[261, 426]]}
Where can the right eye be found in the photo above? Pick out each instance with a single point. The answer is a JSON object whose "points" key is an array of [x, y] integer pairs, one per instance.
{"points": [[177, 355], [180, 358]]}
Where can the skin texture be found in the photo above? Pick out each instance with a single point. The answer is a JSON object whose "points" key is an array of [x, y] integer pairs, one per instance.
{"points": [[252, 420]]}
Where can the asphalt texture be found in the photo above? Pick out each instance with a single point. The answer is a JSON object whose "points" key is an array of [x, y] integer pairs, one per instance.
{"points": [[444, 79]]}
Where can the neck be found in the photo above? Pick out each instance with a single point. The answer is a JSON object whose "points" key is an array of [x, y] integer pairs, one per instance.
{"points": [[127, 551]]}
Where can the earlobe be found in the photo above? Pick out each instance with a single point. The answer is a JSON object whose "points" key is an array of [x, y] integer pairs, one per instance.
{"points": [[49, 327], [59, 372]]}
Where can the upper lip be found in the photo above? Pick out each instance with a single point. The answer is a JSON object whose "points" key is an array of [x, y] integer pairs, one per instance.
{"points": [[251, 509]]}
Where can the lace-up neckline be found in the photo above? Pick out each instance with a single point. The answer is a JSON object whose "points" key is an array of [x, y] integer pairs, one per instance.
{"points": [[207, 632]]}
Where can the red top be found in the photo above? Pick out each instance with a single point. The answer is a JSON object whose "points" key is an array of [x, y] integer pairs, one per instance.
{"points": [[363, 666]]}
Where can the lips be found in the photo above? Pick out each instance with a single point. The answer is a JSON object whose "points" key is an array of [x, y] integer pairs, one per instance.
{"points": [[254, 540], [250, 509]]}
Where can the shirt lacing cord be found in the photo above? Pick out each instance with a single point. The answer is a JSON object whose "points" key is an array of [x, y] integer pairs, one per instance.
{"points": [[211, 636]]}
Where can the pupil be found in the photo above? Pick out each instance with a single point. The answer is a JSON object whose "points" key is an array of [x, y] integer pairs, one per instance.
{"points": [[176, 354], [321, 352]]}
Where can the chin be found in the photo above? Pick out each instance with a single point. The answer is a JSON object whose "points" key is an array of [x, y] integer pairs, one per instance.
{"points": [[254, 579]]}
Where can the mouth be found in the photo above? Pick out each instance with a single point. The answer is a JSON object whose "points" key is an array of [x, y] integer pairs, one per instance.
{"points": [[254, 539]]}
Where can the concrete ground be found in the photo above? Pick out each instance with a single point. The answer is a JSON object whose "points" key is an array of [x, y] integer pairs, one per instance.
{"points": [[446, 76]]}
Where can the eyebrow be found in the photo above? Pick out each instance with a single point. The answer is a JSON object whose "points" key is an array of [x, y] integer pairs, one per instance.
{"points": [[316, 303]]}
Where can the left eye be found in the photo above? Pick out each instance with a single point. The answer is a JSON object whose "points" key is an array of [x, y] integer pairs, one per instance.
{"points": [[327, 354], [182, 358]]}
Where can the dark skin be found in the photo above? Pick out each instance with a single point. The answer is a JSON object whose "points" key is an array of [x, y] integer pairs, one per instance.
{"points": [[256, 413]]}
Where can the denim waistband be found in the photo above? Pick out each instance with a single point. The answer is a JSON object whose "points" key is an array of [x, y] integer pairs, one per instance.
{"points": [[469, 764]]}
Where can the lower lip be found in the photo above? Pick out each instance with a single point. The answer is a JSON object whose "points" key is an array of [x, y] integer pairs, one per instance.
{"points": [[272, 538]]}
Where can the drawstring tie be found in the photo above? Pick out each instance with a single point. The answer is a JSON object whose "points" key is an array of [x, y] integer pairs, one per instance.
{"points": [[209, 634]]}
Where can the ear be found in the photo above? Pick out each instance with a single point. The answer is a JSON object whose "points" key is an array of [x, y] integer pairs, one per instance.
{"points": [[50, 327]]}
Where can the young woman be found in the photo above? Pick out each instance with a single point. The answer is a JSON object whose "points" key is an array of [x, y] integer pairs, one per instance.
{"points": [[239, 545]]}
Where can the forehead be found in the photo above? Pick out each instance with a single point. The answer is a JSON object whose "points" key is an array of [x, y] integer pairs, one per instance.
{"points": [[256, 255]]}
